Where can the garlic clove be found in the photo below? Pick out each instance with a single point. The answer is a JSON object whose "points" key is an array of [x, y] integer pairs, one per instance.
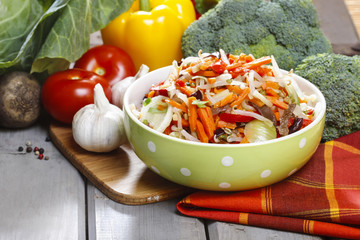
{"points": [[99, 127], [119, 89]]}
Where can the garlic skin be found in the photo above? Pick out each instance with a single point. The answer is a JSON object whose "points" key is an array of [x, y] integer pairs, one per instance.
{"points": [[119, 89], [99, 127]]}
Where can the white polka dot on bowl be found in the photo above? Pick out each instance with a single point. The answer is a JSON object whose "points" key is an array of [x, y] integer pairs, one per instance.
{"points": [[227, 161], [302, 143], [224, 185], [151, 146], [265, 173], [186, 172]]}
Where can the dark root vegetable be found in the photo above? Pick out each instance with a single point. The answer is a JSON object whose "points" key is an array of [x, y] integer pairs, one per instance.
{"points": [[19, 100]]}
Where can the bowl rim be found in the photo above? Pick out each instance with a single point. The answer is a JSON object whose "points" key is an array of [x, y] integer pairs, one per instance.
{"points": [[128, 111]]}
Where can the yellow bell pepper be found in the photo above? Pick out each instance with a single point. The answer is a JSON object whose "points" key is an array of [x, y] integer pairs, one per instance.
{"points": [[151, 37]]}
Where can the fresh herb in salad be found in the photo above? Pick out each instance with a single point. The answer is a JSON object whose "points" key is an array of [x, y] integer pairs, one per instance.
{"points": [[225, 98]]}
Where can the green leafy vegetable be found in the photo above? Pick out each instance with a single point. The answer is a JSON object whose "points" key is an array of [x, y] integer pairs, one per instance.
{"points": [[45, 35]]}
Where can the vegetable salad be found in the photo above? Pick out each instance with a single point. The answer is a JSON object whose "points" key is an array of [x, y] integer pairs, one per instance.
{"points": [[225, 98]]}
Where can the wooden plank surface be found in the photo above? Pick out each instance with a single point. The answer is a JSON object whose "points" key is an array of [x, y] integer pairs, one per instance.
{"points": [[152, 221], [221, 230], [337, 25], [353, 7], [40, 199]]}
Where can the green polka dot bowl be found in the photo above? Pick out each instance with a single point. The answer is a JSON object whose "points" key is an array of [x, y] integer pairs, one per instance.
{"points": [[220, 167]]}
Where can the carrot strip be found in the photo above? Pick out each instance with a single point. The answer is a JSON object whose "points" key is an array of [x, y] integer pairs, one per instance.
{"points": [[229, 98], [211, 118], [277, 116], [223, 124], [192, 114], [211, 80], [240, 98], [185, 91], [249, 58], [210, 74], [151, 94], [235, 65], [257, 101], [242, 57], [271, 84], [206, 65], [271, 92], [176, 104], [206, 121], [251, 65], [206, 73], [218, 90], [234, 88], [201, 132], [257, 62], [277, 102], [244, 140]]}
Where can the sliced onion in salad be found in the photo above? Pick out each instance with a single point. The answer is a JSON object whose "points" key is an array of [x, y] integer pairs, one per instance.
{"points": [[259, 131]]}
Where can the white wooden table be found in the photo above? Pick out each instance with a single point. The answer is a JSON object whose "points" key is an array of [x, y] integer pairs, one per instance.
{"points": [[50, 199]]}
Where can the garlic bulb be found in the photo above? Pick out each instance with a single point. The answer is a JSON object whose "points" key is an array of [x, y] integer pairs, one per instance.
{"points": [[119, 89], [99, 127]]}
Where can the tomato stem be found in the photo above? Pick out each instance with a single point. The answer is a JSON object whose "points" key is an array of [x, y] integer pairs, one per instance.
{"points": [[144, 5], [100, 71]]}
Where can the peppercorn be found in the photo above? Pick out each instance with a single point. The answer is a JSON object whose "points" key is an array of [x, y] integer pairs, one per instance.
{"points": [[41, 150], [47, 139], [36, 149], [20, 149], [37, 152], [28, 143], [41, 156], [29, 149], [47, 157]]}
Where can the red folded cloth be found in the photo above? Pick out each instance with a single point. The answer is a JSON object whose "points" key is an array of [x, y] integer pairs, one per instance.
{"points": [[323, 198]]}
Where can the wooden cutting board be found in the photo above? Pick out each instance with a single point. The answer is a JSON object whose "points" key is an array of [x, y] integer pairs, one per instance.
{"points": [[120, 174]]}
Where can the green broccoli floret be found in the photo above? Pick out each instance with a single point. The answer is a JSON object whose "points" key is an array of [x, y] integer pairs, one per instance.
{"points": [[338, 78], [287, 29]]}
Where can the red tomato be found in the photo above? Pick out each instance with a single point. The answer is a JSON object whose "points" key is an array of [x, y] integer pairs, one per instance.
{"points": [[64, 93], [111, 62]]}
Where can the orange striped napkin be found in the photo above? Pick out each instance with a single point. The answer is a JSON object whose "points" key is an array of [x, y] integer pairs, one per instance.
{"points": [[323, 198]]}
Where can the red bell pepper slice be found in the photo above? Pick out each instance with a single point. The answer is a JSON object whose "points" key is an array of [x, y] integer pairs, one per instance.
{"points": [[218, 66], [233, 118]]}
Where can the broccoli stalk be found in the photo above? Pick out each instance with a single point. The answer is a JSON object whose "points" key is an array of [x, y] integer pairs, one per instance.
{"points": [[338, 78], [287, 29]]}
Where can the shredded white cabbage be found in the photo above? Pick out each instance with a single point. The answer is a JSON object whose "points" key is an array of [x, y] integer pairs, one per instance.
{"points": [[254, 115], [221, 82]]}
